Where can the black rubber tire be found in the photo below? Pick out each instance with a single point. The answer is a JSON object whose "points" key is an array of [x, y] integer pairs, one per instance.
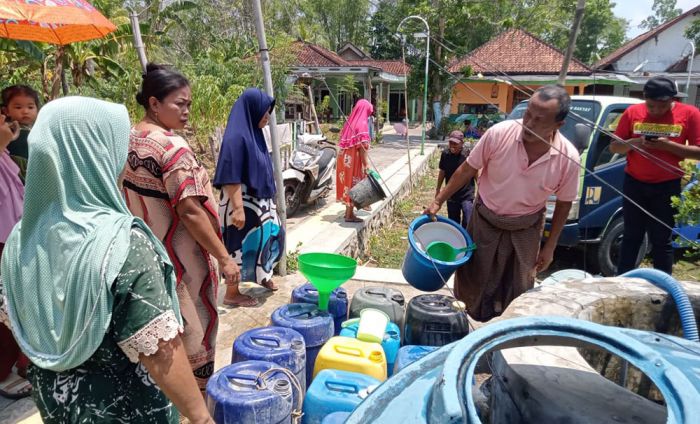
{"points": [[606, 254], [291, 196]]}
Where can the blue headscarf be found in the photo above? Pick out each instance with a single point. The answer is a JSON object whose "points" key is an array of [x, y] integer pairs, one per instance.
{"points": [[244, 158]]}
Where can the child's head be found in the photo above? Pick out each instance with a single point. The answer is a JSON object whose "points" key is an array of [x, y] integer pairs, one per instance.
{"points": [[21, 103], [456, 141], [467, 123]]}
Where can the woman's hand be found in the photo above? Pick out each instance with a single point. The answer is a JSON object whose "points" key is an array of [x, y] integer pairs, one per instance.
{"points": [[238, 218], [9, 131], [230, 270]]}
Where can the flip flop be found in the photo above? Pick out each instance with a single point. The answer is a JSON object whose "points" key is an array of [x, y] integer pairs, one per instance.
{"points": [[15, 387], [250, 302], [270, 285], [353, 219]]}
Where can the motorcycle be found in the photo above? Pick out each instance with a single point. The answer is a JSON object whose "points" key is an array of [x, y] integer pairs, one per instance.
{"points": [[310, 173]]}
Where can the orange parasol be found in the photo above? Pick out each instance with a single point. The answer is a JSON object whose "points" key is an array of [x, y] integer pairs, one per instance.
{"points": [[52, 21]]}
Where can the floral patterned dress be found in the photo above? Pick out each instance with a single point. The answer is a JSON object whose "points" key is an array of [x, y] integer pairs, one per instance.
{"points": [[112, 386]]}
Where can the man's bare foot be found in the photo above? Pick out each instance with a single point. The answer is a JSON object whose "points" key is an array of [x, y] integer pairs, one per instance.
{"points": [[352, 219]]}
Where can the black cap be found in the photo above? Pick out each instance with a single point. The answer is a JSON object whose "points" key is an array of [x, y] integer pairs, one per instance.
{"points": [[661, 88]]}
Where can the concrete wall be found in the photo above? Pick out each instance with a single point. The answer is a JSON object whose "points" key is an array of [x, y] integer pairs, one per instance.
{"points": [[476, 92], [661, 51]]}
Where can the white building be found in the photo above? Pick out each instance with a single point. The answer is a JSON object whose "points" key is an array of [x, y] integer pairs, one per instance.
{"points": [[663, 50]]}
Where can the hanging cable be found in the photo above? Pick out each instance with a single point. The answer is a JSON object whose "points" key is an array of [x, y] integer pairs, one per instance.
{"points": [[528, 91], [577, 163]]}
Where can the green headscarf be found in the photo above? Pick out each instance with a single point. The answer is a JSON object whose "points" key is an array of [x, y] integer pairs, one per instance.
{"points": [[61, 260]]}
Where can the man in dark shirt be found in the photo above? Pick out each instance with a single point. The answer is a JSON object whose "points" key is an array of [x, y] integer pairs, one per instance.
{"points": [[459, 206]]}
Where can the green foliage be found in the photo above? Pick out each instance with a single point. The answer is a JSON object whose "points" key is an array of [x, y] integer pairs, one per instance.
{"points": [[293, 260], [693, 32], [664, 11], [688, 204], [348, 85]]}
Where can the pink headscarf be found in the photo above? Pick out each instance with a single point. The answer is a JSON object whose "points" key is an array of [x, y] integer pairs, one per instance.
{"points": [[11, 195], [356, 129]]}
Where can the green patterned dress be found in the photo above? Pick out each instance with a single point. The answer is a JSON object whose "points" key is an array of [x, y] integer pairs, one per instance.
{"points": [[112, 386]]}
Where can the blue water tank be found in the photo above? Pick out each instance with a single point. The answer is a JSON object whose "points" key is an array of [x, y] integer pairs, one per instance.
{"points": [[283, 346], [337, 305], [410, 354], [336, 418], [390, 344], [315, 326], [335, 391], [236, 394]]}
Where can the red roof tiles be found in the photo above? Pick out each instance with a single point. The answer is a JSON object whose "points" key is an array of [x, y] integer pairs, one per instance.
{"points": [[517, 52], [311, 55]]}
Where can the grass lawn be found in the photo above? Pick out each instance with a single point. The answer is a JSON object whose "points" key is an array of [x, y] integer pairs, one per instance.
{"points": [[388, 247]]}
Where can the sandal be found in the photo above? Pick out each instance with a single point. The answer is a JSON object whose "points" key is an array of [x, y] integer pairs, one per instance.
{"points": [[270, 285], [15, 387], [247, 302], [353, 219]]}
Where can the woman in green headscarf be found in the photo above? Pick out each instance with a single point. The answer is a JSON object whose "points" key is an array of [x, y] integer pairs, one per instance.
{"points": [[90, 291]]}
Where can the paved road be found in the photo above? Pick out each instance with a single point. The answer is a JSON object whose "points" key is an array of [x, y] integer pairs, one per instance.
{"points": [[381, 155]]}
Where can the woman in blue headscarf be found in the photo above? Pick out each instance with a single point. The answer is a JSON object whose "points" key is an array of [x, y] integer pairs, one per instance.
{"points": [[251, 228]]}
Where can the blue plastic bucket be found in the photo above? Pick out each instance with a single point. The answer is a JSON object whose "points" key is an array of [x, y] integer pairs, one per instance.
{"points": [[337, 304], [282, 346], [418, 268]]}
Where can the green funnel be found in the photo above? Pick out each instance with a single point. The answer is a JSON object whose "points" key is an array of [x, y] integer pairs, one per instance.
{"points": [[326, 272]]}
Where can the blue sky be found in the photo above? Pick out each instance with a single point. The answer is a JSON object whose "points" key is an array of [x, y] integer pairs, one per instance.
{"points": [[635, 11]]}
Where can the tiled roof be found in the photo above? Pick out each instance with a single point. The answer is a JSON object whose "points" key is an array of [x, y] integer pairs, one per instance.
{"points": [[310, 55], [641, 39], [517, 52], [395, 67]]}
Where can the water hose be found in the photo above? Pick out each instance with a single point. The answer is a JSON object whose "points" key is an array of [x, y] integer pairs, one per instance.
{"points": [[665, 282]]}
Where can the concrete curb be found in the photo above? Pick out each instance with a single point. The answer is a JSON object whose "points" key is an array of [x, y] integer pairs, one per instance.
{"points": [[326, 231]]}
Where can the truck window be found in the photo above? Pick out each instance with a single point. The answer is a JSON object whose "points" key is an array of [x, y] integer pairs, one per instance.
{"points": [[602, 155], [586, 110]]}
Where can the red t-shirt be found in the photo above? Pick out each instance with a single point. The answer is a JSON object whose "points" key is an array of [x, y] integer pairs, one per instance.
{"points": [[681, 123]]}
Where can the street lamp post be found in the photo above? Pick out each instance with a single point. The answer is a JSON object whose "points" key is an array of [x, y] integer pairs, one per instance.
{"points": [[690, 63], [427, 60]]}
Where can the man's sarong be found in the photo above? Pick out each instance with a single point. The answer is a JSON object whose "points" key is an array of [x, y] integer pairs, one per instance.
{"points": [[503, 265]]}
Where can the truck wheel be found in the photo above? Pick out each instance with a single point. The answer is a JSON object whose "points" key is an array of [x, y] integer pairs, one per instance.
{"points": [[291, 196], [606, 255]]}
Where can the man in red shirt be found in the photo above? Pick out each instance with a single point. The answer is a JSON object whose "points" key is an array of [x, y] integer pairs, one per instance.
{"points": [[659, 134]]}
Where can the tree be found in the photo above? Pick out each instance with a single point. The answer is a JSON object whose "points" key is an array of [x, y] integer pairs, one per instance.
{"points": [[693, 32], [664, 11], [601, 31], [340, 21]]}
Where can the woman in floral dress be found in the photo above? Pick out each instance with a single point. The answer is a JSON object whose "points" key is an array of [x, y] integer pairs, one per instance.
{"points": [[87, 289]]}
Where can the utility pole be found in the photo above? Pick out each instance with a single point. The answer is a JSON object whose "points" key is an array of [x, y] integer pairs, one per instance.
{"points": [[578, 17], [427, 60], [265, 60], [138, 41]]}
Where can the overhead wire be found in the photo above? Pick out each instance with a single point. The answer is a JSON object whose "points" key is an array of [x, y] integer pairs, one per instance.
{"points": [[577, 163], [524, 89]]}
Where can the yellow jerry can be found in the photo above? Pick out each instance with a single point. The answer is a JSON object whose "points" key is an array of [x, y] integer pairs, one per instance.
{"points": [[350, 354]]}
